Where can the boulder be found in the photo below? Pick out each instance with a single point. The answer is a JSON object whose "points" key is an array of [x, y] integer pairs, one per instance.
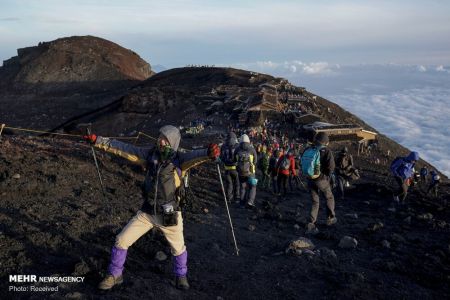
{"points": [[351, 216], [81, 269], [160, 256], [348, 242], [299, 245], [374, 227], [386, 244], [425, 217], [397, 238], [327, 254]]}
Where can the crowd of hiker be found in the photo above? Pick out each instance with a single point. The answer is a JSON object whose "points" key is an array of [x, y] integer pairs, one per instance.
{"points": [[270, 158]]}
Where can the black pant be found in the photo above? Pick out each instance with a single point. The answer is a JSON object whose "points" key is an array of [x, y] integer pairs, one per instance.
{"points": [[320, 185], [402, 190], [341, 185], [275, 189], [282, 183], [233, 185], [433, 187]]}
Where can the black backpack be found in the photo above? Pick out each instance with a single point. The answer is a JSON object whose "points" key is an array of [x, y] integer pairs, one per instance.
{"points": [[343, 161], [244, 163], [228, 155]]}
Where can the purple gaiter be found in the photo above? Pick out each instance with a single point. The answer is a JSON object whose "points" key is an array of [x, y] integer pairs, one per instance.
{"points": [[118, 257], [180, 264]]}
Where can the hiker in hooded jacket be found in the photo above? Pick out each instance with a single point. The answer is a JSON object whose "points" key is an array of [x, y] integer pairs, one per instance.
{"points": [[247, 160], [263, 163], [227, 157], [165, 166], [344, 170], [317, 165], [285, 167], [273, 162], [403, 170]]}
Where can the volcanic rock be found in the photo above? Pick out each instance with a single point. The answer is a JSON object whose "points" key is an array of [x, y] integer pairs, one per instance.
{"points": [[348, 242], [75, 59], [160, 256], [299, 245]]}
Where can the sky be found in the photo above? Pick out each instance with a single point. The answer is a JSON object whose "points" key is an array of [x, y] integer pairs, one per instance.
{"points": [[175, 32], [386, 61]]}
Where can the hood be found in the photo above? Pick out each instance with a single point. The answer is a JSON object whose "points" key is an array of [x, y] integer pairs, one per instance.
{"points": [[172, 134], [246, 146], [245, 138], [322, 139], [231, 139], [413, 156]]}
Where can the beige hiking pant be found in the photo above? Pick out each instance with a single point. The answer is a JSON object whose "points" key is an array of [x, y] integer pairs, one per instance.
{"points": [[143, 222]]}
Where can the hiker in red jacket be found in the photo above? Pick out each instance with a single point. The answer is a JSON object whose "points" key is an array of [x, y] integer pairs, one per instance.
{"points": [[285, 166]]}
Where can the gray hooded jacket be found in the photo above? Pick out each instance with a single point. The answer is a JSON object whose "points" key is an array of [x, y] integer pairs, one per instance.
{"points": [[166, 173]]}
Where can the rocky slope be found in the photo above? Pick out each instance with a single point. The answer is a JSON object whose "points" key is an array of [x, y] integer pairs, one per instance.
{"points": [[55, 220], [75, 59]]}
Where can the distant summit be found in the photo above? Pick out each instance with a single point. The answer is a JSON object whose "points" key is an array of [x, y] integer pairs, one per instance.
{"points": [[74, 59]]}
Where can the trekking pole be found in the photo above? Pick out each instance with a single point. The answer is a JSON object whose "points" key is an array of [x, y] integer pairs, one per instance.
{"points": [[88, 131], [228, 211], [298, 179]]}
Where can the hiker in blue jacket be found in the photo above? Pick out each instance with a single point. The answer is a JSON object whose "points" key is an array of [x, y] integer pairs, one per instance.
{"points": [[403, 169]]}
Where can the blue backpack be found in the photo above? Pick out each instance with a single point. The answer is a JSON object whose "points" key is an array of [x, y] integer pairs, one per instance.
{"points": [[311, 162]]}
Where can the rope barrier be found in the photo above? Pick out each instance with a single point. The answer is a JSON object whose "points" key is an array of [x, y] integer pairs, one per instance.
{"points": [[3, 126], [41, 131], [153, 138]]}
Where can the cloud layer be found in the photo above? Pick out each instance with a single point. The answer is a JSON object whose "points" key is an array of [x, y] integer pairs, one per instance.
{"points": [[408, 103], [415, 118]]}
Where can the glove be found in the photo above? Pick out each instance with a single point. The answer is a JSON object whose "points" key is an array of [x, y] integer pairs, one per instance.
{"points": [[91, 138], [213, 151]]}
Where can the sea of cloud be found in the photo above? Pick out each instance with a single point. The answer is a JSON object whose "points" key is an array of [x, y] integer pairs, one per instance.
{"points": [[408, 103], [417, 118]]}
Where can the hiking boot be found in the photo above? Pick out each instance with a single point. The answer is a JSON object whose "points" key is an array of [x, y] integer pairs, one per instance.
{"points": [[109, 281], [250, 206], [331, 221], [311, 229], [181, 283]]}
